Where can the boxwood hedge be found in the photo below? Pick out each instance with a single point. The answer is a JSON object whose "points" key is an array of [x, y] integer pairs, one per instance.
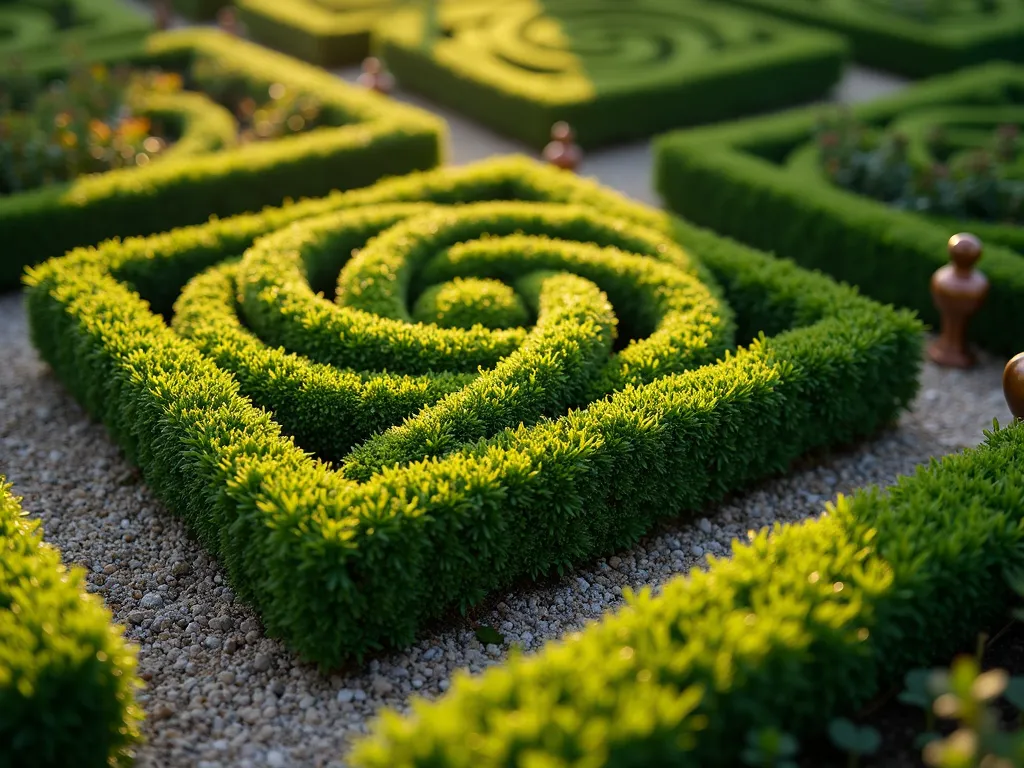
{"points": [[613, 71], [452, 459], [914, 39], [199, 10], [803, 623], [67, 677], [368, 137], [753, 180], [33, 28]]}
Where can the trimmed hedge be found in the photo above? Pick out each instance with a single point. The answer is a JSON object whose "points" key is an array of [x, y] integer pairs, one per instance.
{"points": [[563, 446], [329, 33], [371, 137], [884, 38], [739, 179], [800, 625], [32, 31], [67, 677], [614, 72], [199, 10]]}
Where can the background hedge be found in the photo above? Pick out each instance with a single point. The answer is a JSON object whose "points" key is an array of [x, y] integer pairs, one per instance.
{"points": [[199, 10], [734, 179], [883, 37], [799, 625], [373, 137], [67, 677], [340, 566], [613, 72]]}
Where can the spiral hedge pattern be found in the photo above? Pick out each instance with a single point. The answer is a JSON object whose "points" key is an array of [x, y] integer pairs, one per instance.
{"points": [[360, 472], [67, 677], [614, 70]]}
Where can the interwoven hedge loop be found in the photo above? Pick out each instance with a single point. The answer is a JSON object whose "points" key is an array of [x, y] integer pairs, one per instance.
{"points": [[360, 369]]}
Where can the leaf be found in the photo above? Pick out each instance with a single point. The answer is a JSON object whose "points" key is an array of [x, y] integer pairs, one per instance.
{"points": [[926, 738], [863, 740], [489, 635], [1014, 692]]}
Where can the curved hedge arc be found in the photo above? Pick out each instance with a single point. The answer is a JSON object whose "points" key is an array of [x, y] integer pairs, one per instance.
{"points": [[801, 624], [614, 71], [743, 180], [368, 137], [494, 480], [67, 677]]}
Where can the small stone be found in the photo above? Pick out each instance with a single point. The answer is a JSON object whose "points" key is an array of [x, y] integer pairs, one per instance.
{"points": [[704, 525], [345, 696], [382, 686], [180, 569], [212, 642], [152, 601], [697, 550], [275, 759], [261, 662], [227, 677], [136, 617], [614, 562]]}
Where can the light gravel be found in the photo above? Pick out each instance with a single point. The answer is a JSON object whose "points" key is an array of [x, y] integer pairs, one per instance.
{"points": [[219, 693]]}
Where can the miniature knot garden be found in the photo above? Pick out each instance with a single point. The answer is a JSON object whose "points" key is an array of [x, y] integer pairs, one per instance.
{"points": [[178, 127], [32, 27], [613, 70], [380, 406], [872, 195]]}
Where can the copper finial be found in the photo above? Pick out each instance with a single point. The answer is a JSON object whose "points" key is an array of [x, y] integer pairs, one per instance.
{"points": [[562, 152], [1013, 386], [375, 76], [958, 290]]}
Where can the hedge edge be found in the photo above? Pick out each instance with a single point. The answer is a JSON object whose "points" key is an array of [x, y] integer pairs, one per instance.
{"points": [[281, 524], [712, 177], [381, 138], [67, 676], [804, 623]]}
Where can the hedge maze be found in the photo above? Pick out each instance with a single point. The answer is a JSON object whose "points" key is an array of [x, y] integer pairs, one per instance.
{"points": [[613, 71], [761, 180], [67, 677], [797, 626], [330, 33], [31, 28], [917, 38], [359, 472], [210, 171]]}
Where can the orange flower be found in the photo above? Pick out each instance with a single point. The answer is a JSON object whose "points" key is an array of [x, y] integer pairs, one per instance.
{"points": [[100, 130]]}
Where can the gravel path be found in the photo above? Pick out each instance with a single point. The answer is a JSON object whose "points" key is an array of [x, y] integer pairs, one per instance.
{"points": [[221, 694]]}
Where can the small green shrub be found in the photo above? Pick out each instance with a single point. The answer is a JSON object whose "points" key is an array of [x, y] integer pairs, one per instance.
{"points": [[451, 461], [799, 625], [357, 138], [614, 72], [39, 27], [67, 677], [761, 181]]}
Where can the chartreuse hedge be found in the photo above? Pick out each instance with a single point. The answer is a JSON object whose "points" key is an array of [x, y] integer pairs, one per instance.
{"points": [[614, 72], [652, 376], [800, 625], [36, 27], [753, 180], [912, 38], [367, 137], [330, 33], [67, 677]]}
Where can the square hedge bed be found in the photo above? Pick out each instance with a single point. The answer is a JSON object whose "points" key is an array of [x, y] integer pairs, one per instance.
{"points": [[799, 625], [67, 677], [903, 40], [330, 33], [614, 71], [207, 173], [759, 180], [29, 29], [360, 474]]}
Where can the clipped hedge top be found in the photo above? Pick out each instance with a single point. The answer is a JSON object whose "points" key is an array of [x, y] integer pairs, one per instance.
{"points": [[452, 459], [770, 156], [30, 29], [566, 52], [67, 682]]}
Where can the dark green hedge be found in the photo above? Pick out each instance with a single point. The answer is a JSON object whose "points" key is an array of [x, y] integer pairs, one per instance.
{"points": [[67, 677], [30, 32], [199, 10], [798, 626], [734, 179], [373, 138], [886, 39], [563, 447], [665, 64], [330, 33]]}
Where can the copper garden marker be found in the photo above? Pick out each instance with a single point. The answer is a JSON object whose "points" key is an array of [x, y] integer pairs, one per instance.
{"points": [[1013, 385], [959, 290]]}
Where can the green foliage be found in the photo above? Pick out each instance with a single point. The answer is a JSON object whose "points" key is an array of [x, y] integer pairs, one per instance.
{"points": [[464, 302], [916, 38], [769, 748], [613, 72], [760, 180], [804, 623], [67, 677], [462, 460], [362, 139], [856, 740]]}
